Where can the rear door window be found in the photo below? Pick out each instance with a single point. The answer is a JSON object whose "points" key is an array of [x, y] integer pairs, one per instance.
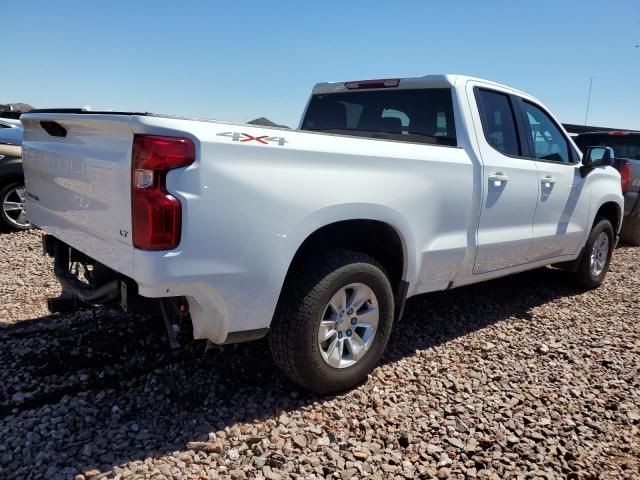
{"points": [[421, 115], [498, 121]]}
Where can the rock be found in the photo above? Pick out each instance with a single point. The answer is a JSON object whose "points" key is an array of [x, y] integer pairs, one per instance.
{"points": [[238, 475], [445, 460], [206, 447], [270, 474], [461, 426], [361, 454], [284, 419], [323, 441], [537, 436], [444, 473], [471, 445], [512, 439], [455, 442], [488, 346], [300, 441], [18, 397], [348, 473], [87, 450]]}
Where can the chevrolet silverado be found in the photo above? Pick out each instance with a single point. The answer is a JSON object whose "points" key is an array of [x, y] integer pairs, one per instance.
{"points": [[316, 236]]}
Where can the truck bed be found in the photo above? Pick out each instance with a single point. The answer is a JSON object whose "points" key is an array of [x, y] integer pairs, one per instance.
{"points": [[236, 242]]}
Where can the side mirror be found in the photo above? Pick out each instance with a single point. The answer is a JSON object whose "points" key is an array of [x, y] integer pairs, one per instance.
{"points": [[598, 156]]}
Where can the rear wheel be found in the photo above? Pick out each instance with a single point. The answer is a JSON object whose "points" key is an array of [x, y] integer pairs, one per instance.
{"points": [[333, 321], [631, 230], [597, 255], [13, 214]]}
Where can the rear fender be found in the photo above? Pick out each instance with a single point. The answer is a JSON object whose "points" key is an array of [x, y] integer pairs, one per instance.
{"points": [[605, 188], [338, 213]]}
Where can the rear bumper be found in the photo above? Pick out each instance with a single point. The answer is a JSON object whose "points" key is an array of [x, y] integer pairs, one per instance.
{"points": [[162, 275], [226, 282]]}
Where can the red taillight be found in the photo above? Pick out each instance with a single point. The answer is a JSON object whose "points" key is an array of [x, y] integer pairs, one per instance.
{"points": [[619, 133], [156, 215], [381, 83], [626, 175]]}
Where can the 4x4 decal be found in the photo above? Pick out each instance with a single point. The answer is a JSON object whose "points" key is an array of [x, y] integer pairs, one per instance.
{"points": [[245, 137]]}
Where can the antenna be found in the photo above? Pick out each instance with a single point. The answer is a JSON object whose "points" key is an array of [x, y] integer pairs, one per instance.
{"points": [[586, 117]]}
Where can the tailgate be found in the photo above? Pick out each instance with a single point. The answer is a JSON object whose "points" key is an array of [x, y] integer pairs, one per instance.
{"points": [[78, 182]]}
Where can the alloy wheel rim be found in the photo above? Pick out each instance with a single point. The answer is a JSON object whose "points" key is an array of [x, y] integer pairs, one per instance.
{"points": [[599, 254], [348, 326], [13, 206]]}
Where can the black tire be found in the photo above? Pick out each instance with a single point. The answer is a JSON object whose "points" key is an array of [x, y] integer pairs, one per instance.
{"points": [[631, 230], [584, 275], [294, 333], [6, 222]]}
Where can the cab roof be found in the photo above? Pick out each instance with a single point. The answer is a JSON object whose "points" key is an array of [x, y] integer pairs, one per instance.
{"points": [[426, 81]]}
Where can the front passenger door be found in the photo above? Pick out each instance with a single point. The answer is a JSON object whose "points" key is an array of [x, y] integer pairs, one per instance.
{"points": [[561, 218]]}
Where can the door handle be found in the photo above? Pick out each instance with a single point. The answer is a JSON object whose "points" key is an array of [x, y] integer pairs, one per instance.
{"points": [[548, 181], [497, 179]]}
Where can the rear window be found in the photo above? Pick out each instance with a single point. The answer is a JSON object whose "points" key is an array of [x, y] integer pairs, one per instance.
{"points": [[624, 146], [422, 116]]}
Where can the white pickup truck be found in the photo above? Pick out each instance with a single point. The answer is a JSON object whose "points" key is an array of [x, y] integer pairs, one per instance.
{"points": [[316, 236]]}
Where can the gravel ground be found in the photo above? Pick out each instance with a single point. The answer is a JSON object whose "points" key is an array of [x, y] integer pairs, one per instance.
{"points": [[524, 377]]}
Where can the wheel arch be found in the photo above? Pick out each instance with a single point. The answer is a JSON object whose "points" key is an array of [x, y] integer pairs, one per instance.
{"points": [[10, 178], [612, 211], [376, 230], [11, 170], [375, 238]]}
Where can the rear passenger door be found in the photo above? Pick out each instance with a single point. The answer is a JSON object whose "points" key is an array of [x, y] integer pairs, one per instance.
{"points": [[562, 214], [509, 182]]}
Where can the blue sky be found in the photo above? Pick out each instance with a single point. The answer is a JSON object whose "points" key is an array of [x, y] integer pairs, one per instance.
{"points": [[240, 60]]}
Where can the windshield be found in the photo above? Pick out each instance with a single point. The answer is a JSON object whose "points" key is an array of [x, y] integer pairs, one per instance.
{"points": [[423, 116], [624, 146]]}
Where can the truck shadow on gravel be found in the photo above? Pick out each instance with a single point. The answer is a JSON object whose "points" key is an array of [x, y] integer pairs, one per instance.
{"points": [[97, 389]]}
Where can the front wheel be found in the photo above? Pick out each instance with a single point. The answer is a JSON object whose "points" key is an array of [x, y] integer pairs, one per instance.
{"points": [[333, 321], [597, 255]]}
